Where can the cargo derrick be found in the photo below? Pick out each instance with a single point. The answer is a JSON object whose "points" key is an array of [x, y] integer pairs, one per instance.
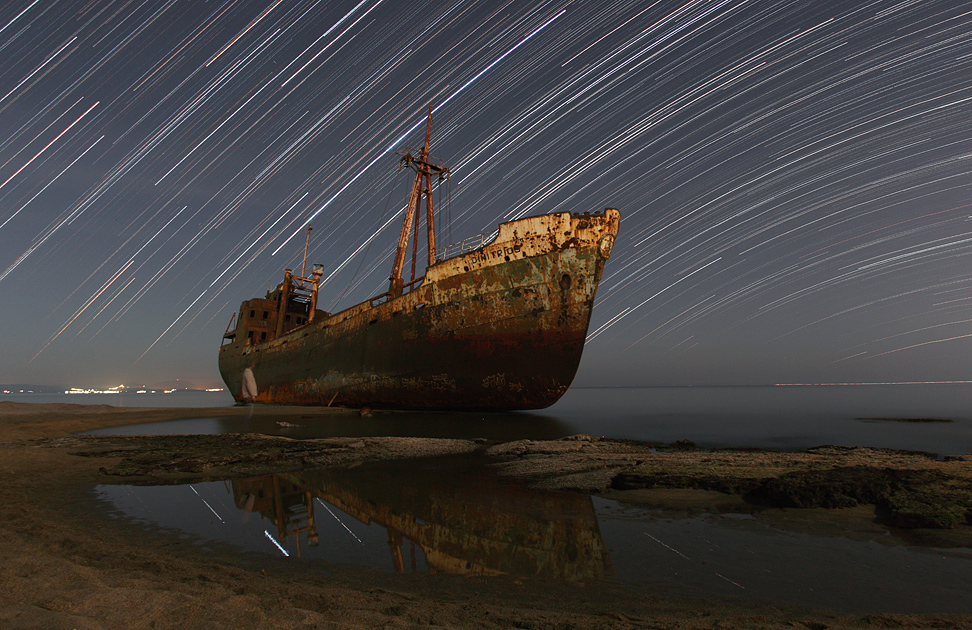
{"points": [[496, 328]]}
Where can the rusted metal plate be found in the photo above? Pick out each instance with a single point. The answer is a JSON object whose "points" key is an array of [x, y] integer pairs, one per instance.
{"points": [[498, 328]]}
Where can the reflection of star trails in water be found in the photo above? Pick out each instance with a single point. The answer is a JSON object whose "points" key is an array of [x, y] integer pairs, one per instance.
{"points": [[275, 543], [793, 178], [339, 521], [207, 504]]}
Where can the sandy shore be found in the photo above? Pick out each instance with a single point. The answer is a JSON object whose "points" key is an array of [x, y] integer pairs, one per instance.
{"points": [[66, 566]]}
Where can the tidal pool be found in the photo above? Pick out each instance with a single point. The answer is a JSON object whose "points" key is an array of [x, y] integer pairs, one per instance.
{"points": [[457, 515]]}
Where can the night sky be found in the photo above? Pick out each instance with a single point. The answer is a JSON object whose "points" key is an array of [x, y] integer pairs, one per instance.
{"points": [[793, 177]]}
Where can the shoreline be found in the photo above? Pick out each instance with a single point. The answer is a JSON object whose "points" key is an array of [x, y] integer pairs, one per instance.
{"points": [[66, 566]]}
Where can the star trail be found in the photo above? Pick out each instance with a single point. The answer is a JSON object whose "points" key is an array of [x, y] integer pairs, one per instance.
{"points": [[793, 178]]}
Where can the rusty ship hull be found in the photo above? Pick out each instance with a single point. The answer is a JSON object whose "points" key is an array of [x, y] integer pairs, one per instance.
{"points": [[501, 327]]}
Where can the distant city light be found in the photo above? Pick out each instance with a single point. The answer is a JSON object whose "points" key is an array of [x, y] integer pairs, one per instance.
{"points": [[110, 390], [118, 389], [121, 389]]}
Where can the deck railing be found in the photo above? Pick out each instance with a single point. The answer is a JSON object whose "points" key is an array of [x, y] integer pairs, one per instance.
{"points": [[467, 245]]}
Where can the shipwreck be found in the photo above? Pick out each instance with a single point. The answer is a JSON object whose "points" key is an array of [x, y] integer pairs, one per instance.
{"points": [[495, 323]]}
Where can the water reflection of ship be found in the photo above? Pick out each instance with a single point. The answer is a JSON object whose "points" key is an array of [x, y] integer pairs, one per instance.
{"points": [[289, 506], [466, 521]]}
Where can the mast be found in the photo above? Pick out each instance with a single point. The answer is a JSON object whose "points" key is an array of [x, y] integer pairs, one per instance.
{"points": [[303, 266], [422, 185], [427, 171]]}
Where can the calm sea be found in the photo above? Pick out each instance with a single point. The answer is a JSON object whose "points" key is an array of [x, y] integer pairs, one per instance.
{"points": [[781, 417]]}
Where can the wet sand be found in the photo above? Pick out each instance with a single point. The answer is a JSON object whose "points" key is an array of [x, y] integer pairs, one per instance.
{"points": [[64, 565]]}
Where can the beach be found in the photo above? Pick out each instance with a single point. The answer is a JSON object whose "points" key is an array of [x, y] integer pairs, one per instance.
{"points": [[65, 565]]}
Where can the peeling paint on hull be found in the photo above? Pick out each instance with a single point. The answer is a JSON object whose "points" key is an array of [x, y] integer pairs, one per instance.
{"points": [[498, 328]]}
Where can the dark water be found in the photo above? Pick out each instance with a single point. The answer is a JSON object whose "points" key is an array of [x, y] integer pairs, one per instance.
{"points": [[780, 417], [455, 515], [766, 417]]}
